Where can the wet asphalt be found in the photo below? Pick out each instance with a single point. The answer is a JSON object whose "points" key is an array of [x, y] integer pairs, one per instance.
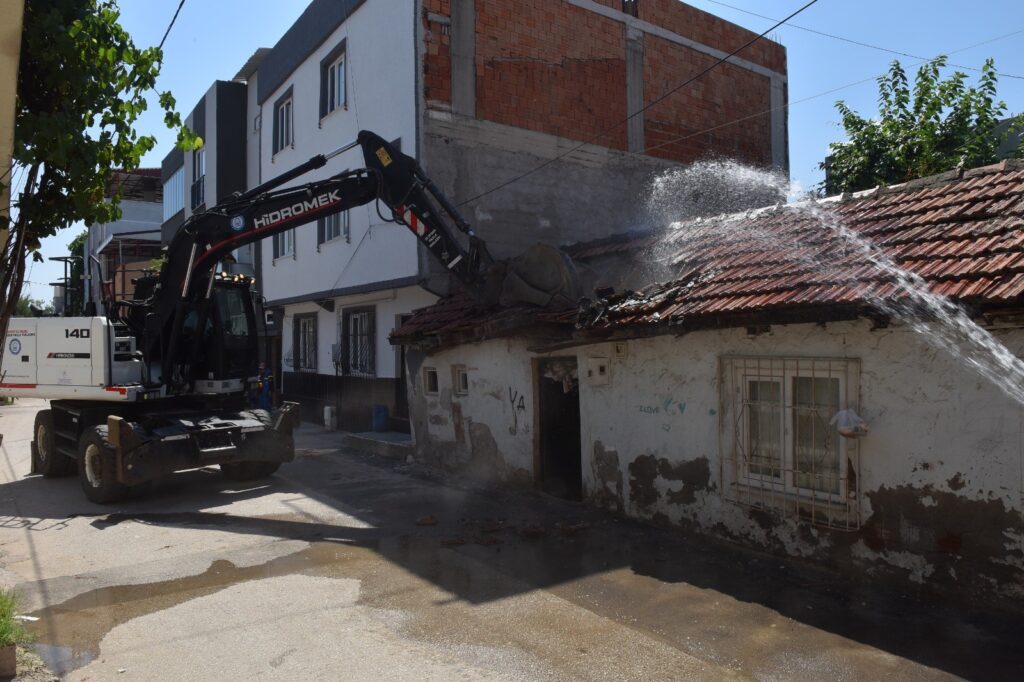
{"points": [[350, 566]]}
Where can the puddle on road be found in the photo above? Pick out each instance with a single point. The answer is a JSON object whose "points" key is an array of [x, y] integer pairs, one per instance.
{"points": [[67, 635]]}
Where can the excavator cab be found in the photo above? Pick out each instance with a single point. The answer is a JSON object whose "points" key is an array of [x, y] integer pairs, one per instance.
{"points": [[225, 353]]}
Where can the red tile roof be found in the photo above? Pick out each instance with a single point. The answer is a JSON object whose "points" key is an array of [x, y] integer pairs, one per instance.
{"points": [[963, 235]]}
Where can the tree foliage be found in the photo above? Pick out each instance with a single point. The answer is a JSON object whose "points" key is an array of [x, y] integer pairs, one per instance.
{"points": [[23, 308], [936, 126], [82, 85]]}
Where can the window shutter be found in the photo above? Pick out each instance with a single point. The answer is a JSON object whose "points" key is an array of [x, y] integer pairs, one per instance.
{"points": [[277, 246], [314, 361], [321, 225], [346, 343], [323, 90], [277, 130], [371, 342]]}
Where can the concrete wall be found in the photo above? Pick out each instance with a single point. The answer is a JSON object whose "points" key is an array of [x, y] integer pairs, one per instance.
{"points": [[938, 496]]}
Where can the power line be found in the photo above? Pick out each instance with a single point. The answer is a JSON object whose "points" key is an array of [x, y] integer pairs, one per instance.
{"points": [[660, 99], [850, 40], [781, 107], [171, 25]]}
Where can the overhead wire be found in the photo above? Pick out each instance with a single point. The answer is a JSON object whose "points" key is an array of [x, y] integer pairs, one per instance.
{"points": [[850, 40], [171, 25], [636, 113]]}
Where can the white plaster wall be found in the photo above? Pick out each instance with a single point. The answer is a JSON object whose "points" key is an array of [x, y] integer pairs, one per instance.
{"points": [[931, 416], [940, 434], [381, 98], [499, 375], [387, 304]]}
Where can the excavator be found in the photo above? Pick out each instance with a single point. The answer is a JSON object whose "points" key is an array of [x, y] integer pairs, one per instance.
{"points": [[159, 383]]}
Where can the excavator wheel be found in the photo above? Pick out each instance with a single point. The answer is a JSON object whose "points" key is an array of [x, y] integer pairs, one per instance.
{"points": [[97, 467], [45, 458], [251, 471]]}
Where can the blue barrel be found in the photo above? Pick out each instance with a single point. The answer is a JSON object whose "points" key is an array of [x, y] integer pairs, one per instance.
{"points": [[380, 418]]}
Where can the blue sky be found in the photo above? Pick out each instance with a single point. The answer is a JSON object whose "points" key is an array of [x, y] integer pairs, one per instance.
{"points": [[212, 39]]}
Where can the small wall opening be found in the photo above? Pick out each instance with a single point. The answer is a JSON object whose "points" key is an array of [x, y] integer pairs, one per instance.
{"points": [[558, 435]]}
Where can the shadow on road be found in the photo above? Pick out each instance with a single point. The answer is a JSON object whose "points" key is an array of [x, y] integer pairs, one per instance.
{"points": [[535, 542]]}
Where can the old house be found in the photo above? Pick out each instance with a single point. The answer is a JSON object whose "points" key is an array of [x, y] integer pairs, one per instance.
{"points": [[478, 91], [709, 399]]}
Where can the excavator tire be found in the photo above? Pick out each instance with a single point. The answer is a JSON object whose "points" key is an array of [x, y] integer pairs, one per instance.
{"points": [[97, 467], [251, 471], [45, 458]]}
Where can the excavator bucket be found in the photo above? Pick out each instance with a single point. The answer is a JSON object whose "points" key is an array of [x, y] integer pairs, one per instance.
{"points": [[541, 276]]}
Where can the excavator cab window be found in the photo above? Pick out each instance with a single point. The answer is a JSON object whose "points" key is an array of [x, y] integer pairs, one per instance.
{"points": [[238, 336]]}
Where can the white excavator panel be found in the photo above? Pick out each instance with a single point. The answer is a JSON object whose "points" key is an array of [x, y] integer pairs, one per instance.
{"points": [[60, 357]]}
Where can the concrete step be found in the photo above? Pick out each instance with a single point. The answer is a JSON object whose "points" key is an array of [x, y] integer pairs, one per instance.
{"points": [[386, 443]]}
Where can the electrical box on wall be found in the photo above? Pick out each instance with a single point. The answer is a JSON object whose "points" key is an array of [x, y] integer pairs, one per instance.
{"points": [[598, 371], [620, 350]]}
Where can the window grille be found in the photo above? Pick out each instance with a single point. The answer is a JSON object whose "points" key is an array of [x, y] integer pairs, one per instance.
{"points": [[305, 343], [780, 450], [358, 337]]}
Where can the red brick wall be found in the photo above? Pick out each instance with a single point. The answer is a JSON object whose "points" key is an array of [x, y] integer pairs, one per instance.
{"points": [[551, 67], [726, 94], [437, 62]]}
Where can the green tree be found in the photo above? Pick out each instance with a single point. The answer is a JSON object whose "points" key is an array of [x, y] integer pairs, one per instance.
{"points": [[23, 308], [82, 85], [74, 297], [939, 125]]}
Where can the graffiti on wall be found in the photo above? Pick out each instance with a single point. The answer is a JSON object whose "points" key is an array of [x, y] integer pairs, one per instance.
{"points": [[663, 406], [518, 403]]}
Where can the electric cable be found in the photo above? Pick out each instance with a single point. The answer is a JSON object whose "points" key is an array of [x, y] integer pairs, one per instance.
{"points": [[636, 113], [171, 25], [851, 40]]}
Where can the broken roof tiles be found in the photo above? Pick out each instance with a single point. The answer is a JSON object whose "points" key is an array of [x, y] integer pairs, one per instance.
{"points": [[964, 236]]}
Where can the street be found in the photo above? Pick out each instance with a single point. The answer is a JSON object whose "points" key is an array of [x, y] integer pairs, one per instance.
{"points": [[347, 566]]}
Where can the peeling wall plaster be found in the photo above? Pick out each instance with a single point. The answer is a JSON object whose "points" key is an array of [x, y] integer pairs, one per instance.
{"points": [[940, 473]]}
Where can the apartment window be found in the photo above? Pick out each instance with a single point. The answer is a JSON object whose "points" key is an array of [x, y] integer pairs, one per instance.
{"points": [[284, 244], [304, 355], [630, 7], [284, 133], [198, 177], [358, 327], [333, 76], [174, 194], [333, 227], [430, 381], [460, 379], [785, 452]]}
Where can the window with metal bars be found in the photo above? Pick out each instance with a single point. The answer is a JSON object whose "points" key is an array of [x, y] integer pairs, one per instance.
{"points": [[781, 447], [358, 337], [304, 344]]}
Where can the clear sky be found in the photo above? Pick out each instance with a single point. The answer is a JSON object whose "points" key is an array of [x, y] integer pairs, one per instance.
{"points": [[213, 38]]}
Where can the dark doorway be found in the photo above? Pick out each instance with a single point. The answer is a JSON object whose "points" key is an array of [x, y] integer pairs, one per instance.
{"points": [[402, 385], [561, 470]]}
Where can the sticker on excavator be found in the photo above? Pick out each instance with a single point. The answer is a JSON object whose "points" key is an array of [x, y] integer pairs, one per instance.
{"points": [[385, 158]]}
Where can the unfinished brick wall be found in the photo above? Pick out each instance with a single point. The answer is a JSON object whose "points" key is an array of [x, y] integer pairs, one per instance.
{"points": [[437, 60], [553, 67], [673, 127]]}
